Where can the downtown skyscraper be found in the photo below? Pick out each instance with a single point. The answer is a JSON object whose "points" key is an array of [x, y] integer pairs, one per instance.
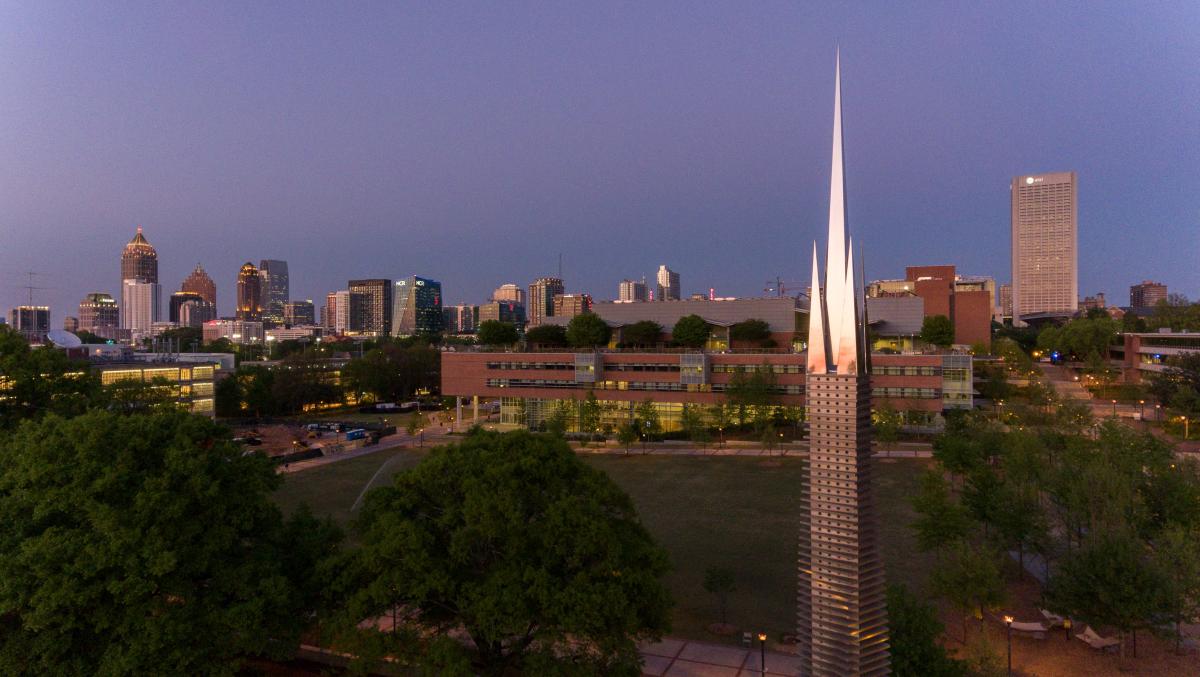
{"points": [[842, 622], [140, 292], [275, 289], [1045, 255]]}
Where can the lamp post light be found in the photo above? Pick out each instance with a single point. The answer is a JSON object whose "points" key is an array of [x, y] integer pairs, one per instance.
{"points": [[1158, 412], [1142, 410], [1114, 402], [1008, 621], [762, 646]]}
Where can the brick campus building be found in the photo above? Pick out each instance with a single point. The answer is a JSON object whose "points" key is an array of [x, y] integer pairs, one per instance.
{"points": [[531, 384]]}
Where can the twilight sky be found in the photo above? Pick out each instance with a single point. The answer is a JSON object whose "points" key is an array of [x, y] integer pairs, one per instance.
{"points": [[473, 142]]}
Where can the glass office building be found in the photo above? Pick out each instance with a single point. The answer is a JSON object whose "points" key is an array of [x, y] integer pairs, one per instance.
{"points": [[416, 306]]}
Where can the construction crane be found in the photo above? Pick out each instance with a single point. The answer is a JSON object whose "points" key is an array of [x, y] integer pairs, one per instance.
{"points": [[781, 287]]}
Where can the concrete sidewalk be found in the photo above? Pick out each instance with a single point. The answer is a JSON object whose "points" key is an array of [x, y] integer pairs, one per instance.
{"points": [[685, 658]]}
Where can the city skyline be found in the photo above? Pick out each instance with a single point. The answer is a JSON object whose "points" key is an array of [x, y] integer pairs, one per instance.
{"points": [[710, 140]]}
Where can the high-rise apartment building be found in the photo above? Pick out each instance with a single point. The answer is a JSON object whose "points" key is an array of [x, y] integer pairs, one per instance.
{"points": [[199, 282], [377, 312], [329, 311], [1045, 270], [570, 305], [1147, 294], [631, 291], [1006, 307], [541, 298], [139, 260], [31, 321], [274, 288], [416, 306], [139, 306], [509, 292], [299, 312], [249, 293], [842, 611], [668, 284], [98, 311]]}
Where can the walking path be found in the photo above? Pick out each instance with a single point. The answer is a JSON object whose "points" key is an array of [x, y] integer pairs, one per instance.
{"points": [[685, 658]]}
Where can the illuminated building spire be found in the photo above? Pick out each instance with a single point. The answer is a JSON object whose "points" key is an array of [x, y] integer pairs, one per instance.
{"points": [[836, 321]]}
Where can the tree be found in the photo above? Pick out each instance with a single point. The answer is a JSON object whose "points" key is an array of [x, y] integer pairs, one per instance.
{"points": [[643, 333], [1108, 582], [913, 634], [691, 419], [257, 385], [497, 333], [40, 381], [537, 557], [148, 545], [587, 330], [626, 436], [559, 419], [691, 331], [753, 395], [302, 381], [941, 521], [395, 371], [646, 415], [589, 414], [415, 423], [937, 330], [969, 578], [136, 396], [1177, 559], [228, 397], [547, 336], [886, 423], [750, 330], [719, 581]]}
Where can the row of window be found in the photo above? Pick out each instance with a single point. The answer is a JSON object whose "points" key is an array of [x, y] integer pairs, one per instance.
{"points": [[531, 365], [907, 393], [763, 368], [906, 370]]}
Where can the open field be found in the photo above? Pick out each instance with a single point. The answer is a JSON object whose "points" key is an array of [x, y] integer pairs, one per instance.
{"points": [[739, 513]]}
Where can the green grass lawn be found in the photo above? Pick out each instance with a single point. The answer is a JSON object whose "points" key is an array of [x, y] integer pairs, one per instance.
{"points": [[739, 513]]}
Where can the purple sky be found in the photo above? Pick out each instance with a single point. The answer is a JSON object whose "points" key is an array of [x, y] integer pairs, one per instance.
{"points": [[473, 142]]}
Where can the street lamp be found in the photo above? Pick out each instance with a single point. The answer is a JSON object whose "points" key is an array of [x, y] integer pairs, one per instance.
{"points": [[1158, 412], [1008, 621], [1142, 410], [1114, 408], [762, 646]]}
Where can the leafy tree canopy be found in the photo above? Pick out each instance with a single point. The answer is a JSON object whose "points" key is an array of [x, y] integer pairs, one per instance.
{"points": [[547, 335], [691, 331], [750, 330], [147, 545], [497, 333], [937, 330], [914, 631], [587, 330], [40, 381], [643, 333], [512, 539]]}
